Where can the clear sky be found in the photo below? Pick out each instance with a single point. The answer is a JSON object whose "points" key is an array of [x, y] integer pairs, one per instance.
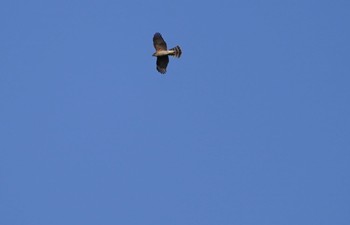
{"points": [[250, 126]]}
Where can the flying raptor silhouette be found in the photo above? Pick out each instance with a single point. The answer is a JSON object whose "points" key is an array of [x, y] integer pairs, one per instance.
{"points": [[162, 53]]}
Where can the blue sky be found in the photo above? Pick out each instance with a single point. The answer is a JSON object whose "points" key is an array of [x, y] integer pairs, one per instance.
{"points": [[250, 126]]}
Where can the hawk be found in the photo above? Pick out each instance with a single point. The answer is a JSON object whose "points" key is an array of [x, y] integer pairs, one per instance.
{"points": [[162, 52]]}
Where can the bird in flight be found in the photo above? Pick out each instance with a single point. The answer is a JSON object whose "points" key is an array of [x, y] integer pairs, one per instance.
{"points": [[162, 53]]}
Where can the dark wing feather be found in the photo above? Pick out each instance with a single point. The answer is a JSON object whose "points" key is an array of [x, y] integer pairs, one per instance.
{"points": [[162, 63], [158, 42]]}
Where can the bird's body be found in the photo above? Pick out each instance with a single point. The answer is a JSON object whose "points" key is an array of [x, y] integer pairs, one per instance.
{"points": [[176, 52], [162, 52]]}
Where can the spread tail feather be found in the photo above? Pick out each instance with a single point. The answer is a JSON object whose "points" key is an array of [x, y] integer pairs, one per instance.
{"points": [[176, 51]]}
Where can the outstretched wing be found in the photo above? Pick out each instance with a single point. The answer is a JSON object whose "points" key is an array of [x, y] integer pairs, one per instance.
{"points": [[162, 63], [158, 42]]}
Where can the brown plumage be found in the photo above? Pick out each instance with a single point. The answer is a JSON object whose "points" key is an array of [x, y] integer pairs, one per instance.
{"points": [[162, 53]]}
